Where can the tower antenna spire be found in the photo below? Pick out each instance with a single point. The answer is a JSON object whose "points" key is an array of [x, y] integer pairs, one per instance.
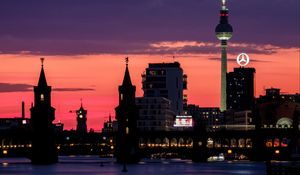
{"points": [[223, 4], [126, 60], [42, 61]]}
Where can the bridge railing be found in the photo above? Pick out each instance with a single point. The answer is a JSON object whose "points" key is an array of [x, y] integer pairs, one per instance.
{"points": [[234, 127]]}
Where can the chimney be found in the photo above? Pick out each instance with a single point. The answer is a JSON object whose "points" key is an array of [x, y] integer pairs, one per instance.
{"points": [[23, 110]]}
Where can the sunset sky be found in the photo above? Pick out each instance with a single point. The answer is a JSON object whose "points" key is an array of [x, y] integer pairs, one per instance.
{"points": [[84, 44]]}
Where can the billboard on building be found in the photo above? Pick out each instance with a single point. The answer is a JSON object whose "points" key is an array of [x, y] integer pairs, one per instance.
{"points": [[183, 121]]}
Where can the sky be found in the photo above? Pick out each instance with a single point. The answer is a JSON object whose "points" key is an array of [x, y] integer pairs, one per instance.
{"points": [[84, 44]]}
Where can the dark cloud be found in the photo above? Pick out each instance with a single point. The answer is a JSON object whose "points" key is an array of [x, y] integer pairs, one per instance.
{"points": [[9, 87], [115, 47], [113, 26]]}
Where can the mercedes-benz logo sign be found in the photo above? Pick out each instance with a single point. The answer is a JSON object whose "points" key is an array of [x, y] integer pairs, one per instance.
{"points": [[242, 59]]}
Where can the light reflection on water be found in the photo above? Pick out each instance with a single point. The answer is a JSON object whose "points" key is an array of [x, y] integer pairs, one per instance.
{"points": [[93, 165]]}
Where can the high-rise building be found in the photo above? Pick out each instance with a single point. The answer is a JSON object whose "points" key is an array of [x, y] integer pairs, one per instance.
{"points": [[81, 120], [166, 80], [223, 33], [240, 89], [126, 115], [42, 115]]}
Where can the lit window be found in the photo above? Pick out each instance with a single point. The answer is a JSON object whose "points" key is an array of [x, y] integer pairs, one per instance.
{"points": [[276, 143], [152, 72], [269, 143], [285, 142], [127, 130], [121, 96], [210, 143], [42, 97]]}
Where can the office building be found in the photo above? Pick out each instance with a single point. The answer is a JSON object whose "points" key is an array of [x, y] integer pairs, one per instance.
{"points": [[241, 89], [166, 80]]}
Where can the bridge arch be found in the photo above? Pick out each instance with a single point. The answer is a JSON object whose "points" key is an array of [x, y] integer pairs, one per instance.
{"points": [[241, 143], [233, 143], [181, 142], [166, 142], [173, 142]]}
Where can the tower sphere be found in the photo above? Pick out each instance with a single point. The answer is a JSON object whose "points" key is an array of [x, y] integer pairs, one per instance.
{"points": [[224, 31]]}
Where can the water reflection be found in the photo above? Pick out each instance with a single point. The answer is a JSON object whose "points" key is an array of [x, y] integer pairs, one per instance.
{"points": [[76, 165]]}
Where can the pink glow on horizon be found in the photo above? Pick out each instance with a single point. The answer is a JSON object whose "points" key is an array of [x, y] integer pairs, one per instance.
{"points": [[104, 73]]}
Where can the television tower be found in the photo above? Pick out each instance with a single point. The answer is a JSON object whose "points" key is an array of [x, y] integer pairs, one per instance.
{"points": [[223, 33]]}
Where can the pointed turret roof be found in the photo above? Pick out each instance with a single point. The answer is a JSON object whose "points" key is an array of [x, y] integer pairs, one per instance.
{"points": [[127, 79], [81, 106], [42, 80]]}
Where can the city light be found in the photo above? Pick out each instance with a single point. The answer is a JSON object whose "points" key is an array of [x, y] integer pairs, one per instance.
{"points": [[24, 122], [164, 124], [183, 121]]}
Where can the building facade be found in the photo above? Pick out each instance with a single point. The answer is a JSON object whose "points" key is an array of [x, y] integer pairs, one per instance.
{"points": [[155, 114], [241, 89], [166, 80], [276, 110]]}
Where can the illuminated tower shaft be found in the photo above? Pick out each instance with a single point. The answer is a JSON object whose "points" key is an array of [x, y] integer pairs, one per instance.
{"points": [[223, 75], [223, 33]]}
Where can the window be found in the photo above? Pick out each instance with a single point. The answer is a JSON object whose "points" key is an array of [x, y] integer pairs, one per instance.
{"points": [[42, 97], [152, 72], [269, 143], [210, 143], [276, 142]]}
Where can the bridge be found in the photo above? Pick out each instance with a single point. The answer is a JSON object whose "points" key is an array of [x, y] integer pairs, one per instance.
{"points": [[231, 142]]}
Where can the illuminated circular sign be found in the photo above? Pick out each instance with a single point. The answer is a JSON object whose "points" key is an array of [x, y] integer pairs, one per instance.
{"points": [[242, 59]]}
